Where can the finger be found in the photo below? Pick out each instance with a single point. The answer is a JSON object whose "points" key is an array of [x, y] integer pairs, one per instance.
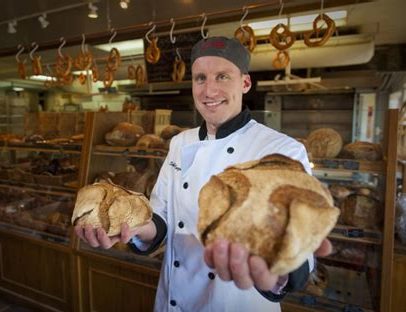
{"points": [[90, 236], [239, 266], [263, 279], [324, 249], [105, 241], [208, 256], [220, 259], [79, 231], [125, 233]]}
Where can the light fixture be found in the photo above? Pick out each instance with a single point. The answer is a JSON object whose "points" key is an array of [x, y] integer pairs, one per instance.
{"points": [[126, 48], [93, 11], [11, 29], [124, 4], [43, 21]]}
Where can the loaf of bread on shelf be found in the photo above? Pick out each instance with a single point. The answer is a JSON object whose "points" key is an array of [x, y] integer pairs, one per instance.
{"points": [[124, 134], [361, 211], [362, 151], [318, 280], [324, 143], [107, 206], [150, 141], [271, 206], [170, 131]]}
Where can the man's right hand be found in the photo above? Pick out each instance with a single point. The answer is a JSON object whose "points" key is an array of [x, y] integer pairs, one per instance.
{"points": [[97, 237]]}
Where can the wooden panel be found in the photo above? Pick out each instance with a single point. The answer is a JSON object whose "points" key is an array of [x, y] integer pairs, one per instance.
{"points": [[35, 272], [108, 286], [399, 284]]}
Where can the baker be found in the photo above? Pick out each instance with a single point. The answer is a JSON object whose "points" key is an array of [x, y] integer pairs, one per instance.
{"points": [[223, 276]]}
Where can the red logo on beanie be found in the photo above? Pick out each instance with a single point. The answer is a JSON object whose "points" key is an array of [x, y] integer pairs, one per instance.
{"points": [[216, 44]]}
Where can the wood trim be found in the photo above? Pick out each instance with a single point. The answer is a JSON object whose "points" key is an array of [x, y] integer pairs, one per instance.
{"points": [[390, 195]]}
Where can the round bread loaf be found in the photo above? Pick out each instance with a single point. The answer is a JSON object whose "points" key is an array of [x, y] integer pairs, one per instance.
{"points": [[150, 141], [362, 150], [124, 134], [272, 207], [108, 206], [170, 131], [361, 211], [324, 143]]}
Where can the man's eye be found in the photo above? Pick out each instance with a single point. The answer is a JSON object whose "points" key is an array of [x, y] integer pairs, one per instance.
{"points": [[222, 77], [199, 78]]}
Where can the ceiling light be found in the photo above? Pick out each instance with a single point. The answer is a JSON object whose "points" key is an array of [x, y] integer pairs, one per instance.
{"points": [[43, 21], [124, 4], [126, 48], [93, 11], [297, 23], [11, 29]]}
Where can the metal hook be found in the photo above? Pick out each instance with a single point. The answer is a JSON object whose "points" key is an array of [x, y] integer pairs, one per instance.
{"points": [[63, 42], [83, 47], [20, 50], [202, 28], [178, 54], [321, 6], [149, 32], [281, 8], [245, 10], [114, 33], [34, 48], [171, 37]]}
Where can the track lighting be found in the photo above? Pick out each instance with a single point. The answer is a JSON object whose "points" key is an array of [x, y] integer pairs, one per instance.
{"points": [[43, 21], [11, 29], [124, 4], [93, 11]]}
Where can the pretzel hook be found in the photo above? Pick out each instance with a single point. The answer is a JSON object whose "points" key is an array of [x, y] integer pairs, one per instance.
{"points": [[35, 46], [205, 36], [20, 50], [149, 32], [171, 37], [63, 42], [245, 10], [114, 34]]}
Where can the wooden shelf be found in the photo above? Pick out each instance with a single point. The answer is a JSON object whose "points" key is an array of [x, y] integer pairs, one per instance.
{"points": [[349, 234], [129, 151], [352, 165], [43, 189], [47, 148]]}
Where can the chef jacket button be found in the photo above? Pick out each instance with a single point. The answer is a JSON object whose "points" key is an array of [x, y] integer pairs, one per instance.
{"points": [[211, 275], [172, 302], [180, 224], [230, 150], [176, 263], [185, 185]]}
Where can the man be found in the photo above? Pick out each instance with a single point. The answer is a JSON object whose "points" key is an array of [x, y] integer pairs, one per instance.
{"points": [[194, 278]]}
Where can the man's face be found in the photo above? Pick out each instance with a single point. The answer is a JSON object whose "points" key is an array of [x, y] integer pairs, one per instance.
{"points": [[218, 86]]}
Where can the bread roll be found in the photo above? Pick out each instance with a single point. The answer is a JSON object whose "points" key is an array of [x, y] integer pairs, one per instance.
{"points": [[272, 207], [362, 151], [150, 141], [124, 134], [108, 206], [324, 143]]}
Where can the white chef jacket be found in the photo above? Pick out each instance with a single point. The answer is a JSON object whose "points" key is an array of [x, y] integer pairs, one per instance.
{"points": [[186, 283]]}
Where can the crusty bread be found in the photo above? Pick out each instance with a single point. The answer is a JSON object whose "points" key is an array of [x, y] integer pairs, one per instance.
{"points": [[150, 141], [108, 206], [124, 134], [170, 131], [362, 150], [324, 143], [361, 211], [272, 207]]}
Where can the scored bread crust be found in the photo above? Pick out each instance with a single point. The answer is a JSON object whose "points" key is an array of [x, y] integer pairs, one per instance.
{"points": [[272, 207], [107, 206]]}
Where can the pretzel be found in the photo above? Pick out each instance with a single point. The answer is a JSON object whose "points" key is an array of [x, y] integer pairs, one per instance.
{"points": [[84, 60], [63, 65], [281, 40], [246, 36], [108, 79], [36, 66], [82, 78], [139, 76], [131, 72], [179, 69], [153, 53], [95, 73], [281, 60], [331, 28], [113, 61], [21, 70]]}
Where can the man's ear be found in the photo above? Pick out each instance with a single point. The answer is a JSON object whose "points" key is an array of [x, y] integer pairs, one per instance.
{"points": [[246, 83]]}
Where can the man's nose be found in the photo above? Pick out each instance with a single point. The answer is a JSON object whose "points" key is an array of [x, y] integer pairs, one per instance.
{"points": [[211, 87]]}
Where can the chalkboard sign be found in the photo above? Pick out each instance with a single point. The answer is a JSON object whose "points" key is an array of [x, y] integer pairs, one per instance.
{"points": [[161, 71]]}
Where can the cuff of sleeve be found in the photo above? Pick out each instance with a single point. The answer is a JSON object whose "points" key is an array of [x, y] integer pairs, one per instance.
{"points": [[141, 248]]}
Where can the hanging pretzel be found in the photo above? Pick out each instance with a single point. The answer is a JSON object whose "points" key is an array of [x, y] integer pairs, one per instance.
{"points": [[95, 73], [153, 53], [317, 42], [35, 60], [20, 64], [281, 37], [139, 76], [281, 60], [131, 72], [63, 65], [84, 60], [108, 78], [179, 70], [113, 61], [245, 34]]}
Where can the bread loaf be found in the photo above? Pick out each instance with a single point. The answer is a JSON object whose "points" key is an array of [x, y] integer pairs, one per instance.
{"points": [[324, 143], [150, 141], [124, 134], [108, 206], [361, 211], [170, 131], [272, 207], [362, 151]]}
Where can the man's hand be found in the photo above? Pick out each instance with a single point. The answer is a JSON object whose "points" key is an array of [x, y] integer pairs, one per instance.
{"points": [[232, 262], [97, 237]]}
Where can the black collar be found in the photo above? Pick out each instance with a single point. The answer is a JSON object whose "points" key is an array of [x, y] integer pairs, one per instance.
{"points": [[229, 126]]}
